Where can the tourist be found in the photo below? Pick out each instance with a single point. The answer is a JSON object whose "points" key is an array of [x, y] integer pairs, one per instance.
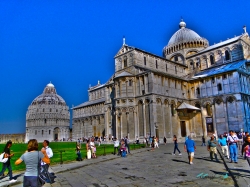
{"points": [[45, 167], [137, 140], [156, 142], [93, 147], [203, 141], [150, 141], [190, 147], [31, 159], [176, 145], [7, 164], [232, 139], [88, 149], [211, 147], [165, 140], [244, 143], [127, 143], [123, 148], [78, 152], [247, 149], [153, 144], [146, 141], [222, 141], [116, 145]]}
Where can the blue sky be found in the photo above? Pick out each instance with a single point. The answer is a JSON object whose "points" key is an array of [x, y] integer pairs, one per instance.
{"points": [[73, 43]]}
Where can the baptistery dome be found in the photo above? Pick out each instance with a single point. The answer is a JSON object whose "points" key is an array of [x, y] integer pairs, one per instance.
{"points": [[184, 38], [48, 117]]}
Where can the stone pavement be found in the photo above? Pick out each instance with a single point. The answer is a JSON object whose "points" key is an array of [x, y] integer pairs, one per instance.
{"points": [[149, 168]]}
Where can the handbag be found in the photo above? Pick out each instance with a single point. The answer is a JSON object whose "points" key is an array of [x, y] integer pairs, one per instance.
{"points": [[41, 179], [2, 159]]}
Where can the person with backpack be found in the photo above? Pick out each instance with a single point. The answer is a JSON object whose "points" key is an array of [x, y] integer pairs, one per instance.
{"points": [[7, 163]]}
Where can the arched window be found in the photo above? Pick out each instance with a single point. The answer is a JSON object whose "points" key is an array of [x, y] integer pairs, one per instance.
{"points": [[125, 63], [43, 109], [198, 91], [209, 110], [50, 110], [211, 59], [219, 87], [130, 83], [49, 131], [42, 132], [176, 58], [145, 61], [227, 55], [35, 132], [156, 64], [172, 109], [45, 120]]}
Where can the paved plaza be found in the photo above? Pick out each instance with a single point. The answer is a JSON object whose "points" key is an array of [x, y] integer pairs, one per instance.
{"points": [[144, 167]]}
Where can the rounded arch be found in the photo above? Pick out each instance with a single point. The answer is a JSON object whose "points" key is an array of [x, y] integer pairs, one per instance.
{"points": [[166, 102], [218, 100], [230, 98], [158, 100]]}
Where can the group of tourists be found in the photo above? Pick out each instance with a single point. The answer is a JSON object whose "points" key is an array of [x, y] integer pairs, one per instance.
{"points": [[230, 143], [37, 163], [122, 147]]}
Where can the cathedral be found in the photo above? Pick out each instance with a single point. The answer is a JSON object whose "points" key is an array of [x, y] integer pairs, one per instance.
{"points": [[193, 89], [48, 117]]}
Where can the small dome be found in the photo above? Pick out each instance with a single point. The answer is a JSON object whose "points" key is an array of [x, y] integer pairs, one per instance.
{"points": [[182, 24], [50, 85]]}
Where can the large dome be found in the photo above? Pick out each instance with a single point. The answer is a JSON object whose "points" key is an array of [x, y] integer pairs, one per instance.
{"points": [[183, 35], [49, 96], [184, 38], [48, 117]]}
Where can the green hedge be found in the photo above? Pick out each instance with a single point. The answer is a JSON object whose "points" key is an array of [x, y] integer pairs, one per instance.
{"points": [[68, 156]]}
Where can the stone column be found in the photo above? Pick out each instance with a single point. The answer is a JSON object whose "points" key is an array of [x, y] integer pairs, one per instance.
{"points": [[214, 118]]}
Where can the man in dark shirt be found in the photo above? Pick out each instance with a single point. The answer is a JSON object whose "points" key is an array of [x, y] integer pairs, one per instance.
{"points": [[7, 164]]}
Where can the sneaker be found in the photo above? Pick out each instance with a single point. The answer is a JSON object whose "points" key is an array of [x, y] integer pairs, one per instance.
{"points": [[11, 181], [180, 154], [191, 163], [173, 154]]}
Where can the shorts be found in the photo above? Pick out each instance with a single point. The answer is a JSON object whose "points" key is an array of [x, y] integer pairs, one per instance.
{"points": [[191, 154]]}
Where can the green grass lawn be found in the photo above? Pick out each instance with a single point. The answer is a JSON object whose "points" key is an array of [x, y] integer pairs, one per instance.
{"points": [[69, 155]]}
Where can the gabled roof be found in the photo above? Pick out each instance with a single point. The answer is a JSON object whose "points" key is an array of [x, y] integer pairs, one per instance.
{"points": [[123, 74], [211, 47], [187, 106], [220, 69], [90, 103]]}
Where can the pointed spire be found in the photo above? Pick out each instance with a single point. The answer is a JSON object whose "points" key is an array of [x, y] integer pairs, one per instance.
{"points": [[245, 28], [124, 40]]}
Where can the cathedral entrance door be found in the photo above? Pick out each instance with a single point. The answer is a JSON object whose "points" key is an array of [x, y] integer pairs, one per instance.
{"points": [[56, 133], [183, 129]]}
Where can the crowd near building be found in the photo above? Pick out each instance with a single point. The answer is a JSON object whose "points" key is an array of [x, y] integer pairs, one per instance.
{"points": [[193, 88], [48, 117]]}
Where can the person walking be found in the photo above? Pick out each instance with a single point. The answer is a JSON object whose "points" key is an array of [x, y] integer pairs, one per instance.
{"points": [[156, 142], [88, 149], [244, 144], [211, 147], [116, 145], [165, 140], [247, 149], [7, 164], [203, 141], [222, 141], [232, 139], [190, 148], [93, 147], [176, 145], [31, 159]]}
